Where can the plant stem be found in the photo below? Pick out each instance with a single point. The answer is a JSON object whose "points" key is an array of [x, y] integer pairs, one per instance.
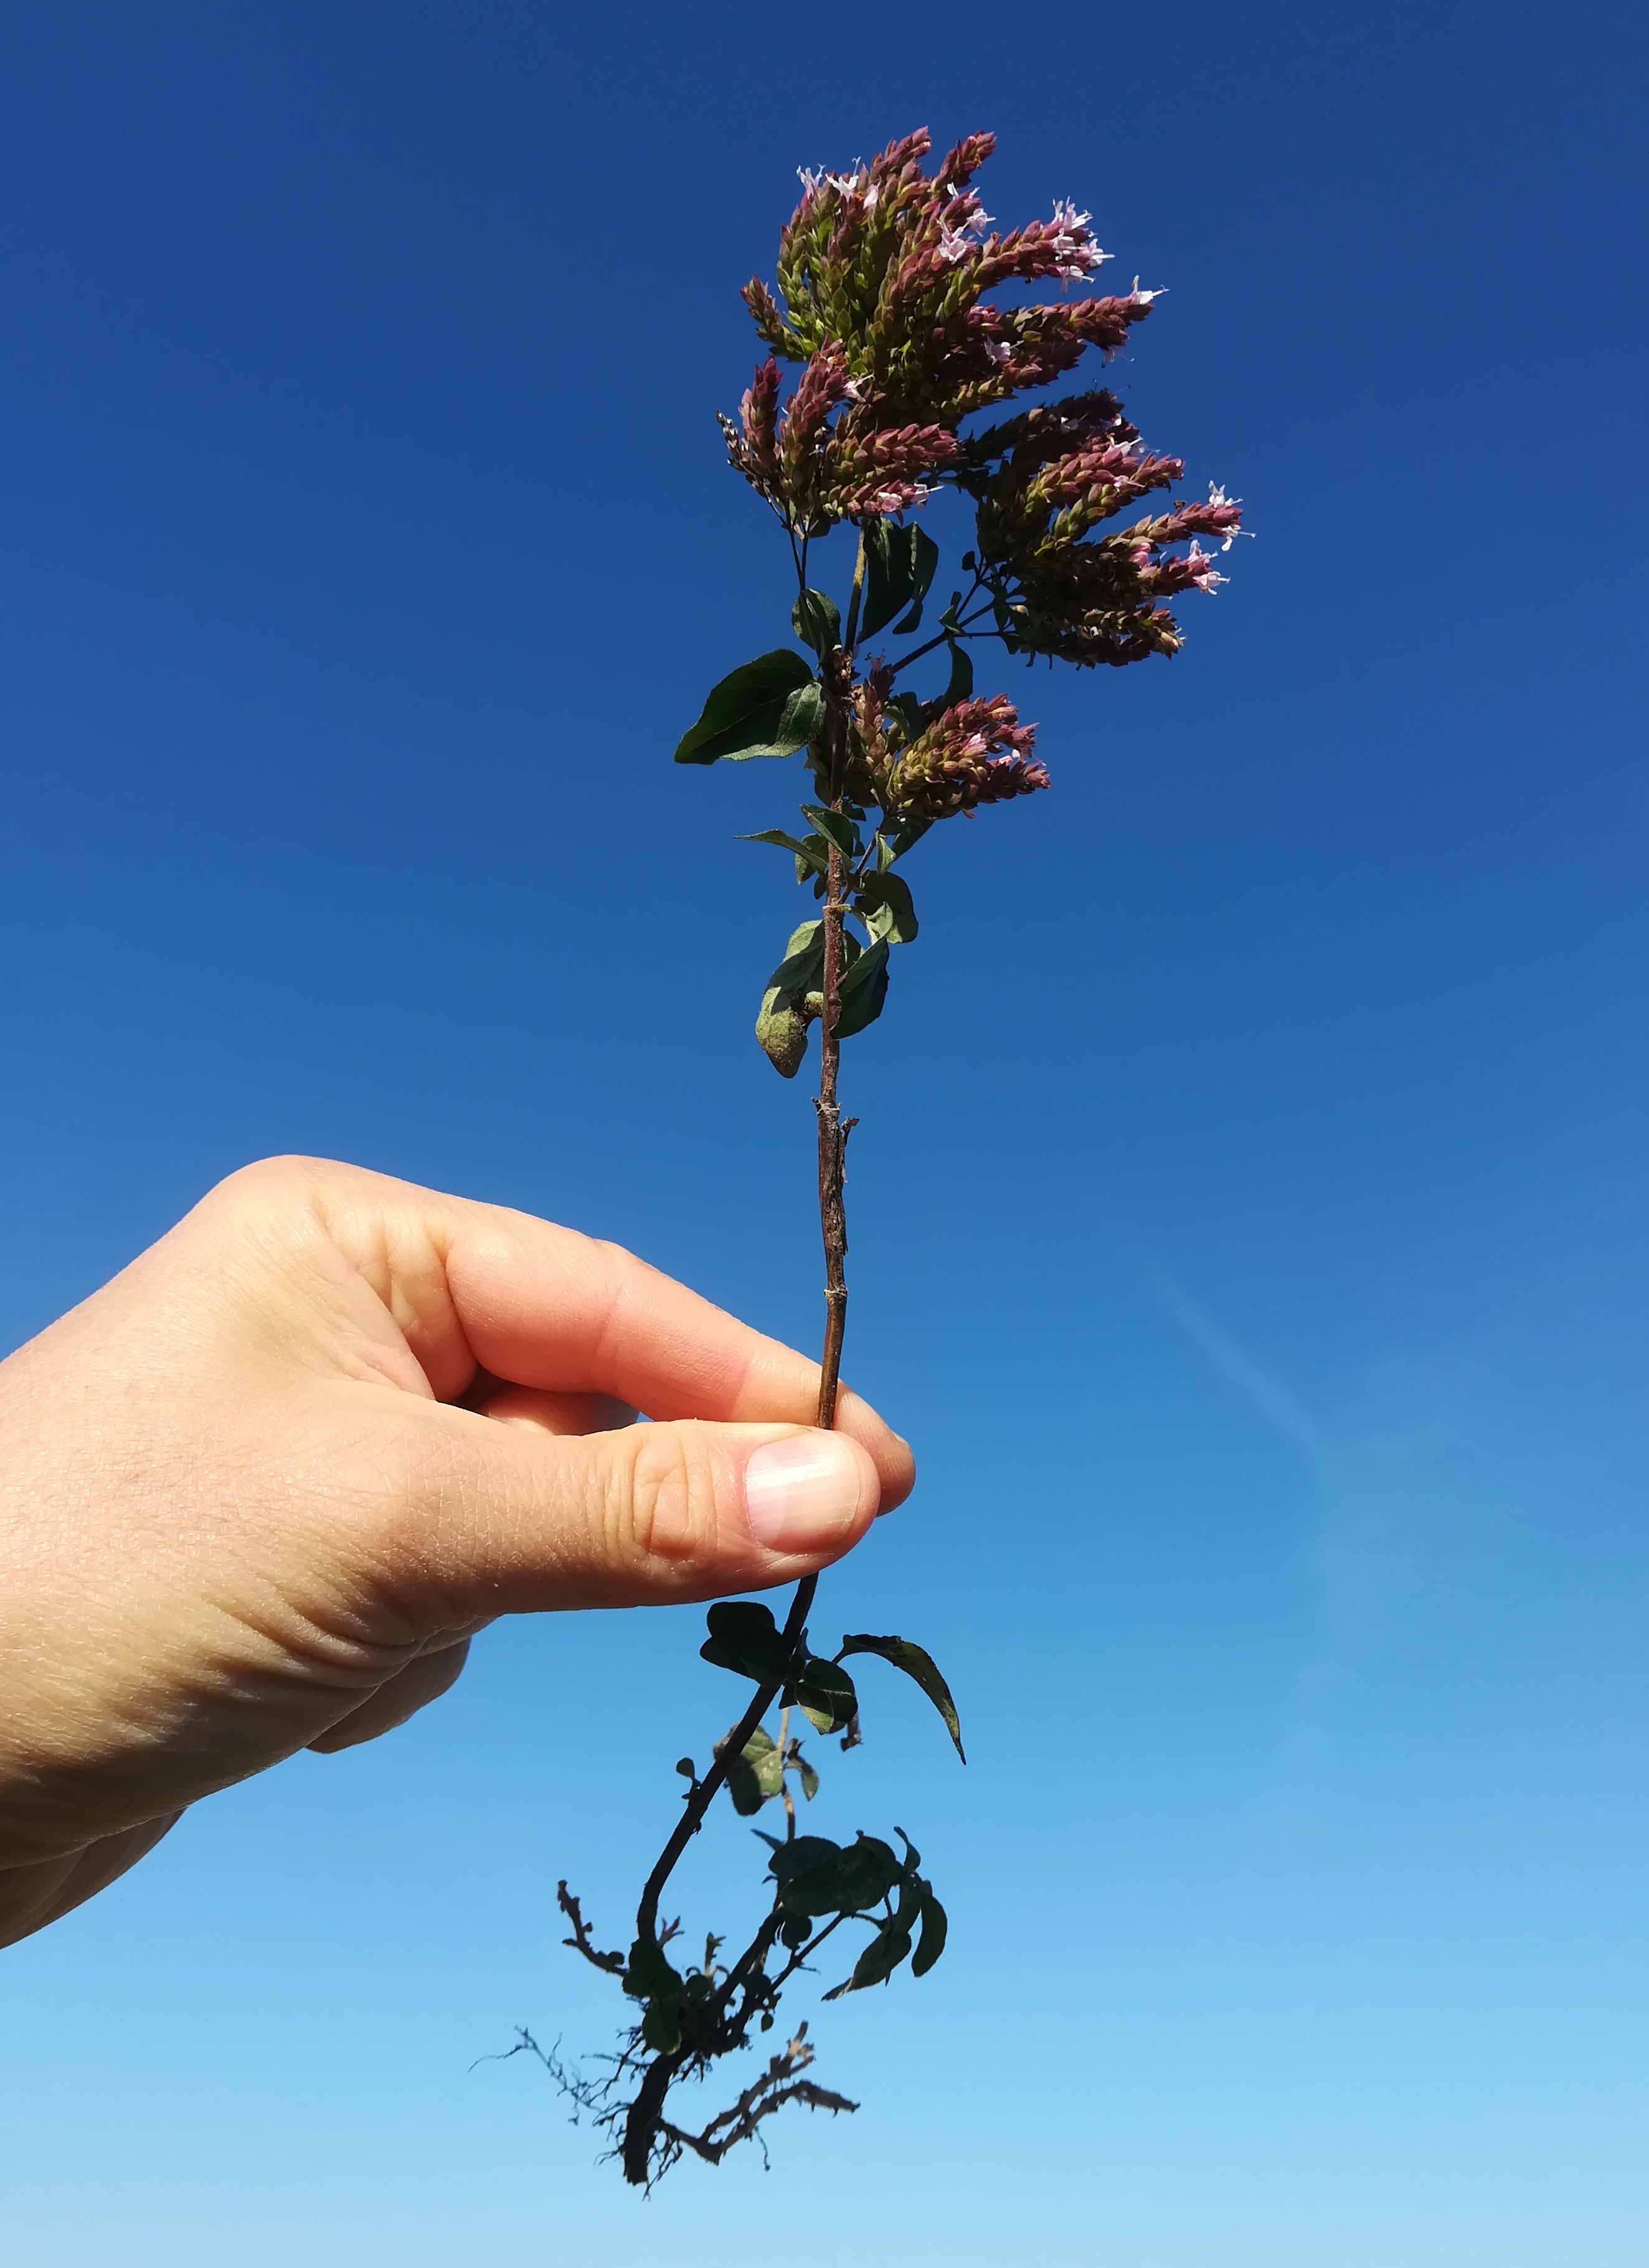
{"points": [[646, 2111], [833, 1141], [832, 1146], [784, 1775], [850, 636], [832, 1134]]}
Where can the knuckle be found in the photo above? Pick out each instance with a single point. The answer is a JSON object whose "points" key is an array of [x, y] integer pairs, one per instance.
{"points": [[269, 1191], [672, 1496], [264, 1175]]}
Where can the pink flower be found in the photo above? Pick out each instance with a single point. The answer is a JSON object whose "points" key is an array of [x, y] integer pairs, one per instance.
{"points": [[1220, 507], [1201, 570], [1073, 247]]}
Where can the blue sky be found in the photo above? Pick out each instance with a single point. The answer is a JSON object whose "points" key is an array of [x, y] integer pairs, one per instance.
{"points": [[1249, 1207]]}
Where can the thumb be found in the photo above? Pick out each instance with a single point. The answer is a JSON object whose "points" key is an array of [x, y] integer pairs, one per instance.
{"points": [[510, 1518]]}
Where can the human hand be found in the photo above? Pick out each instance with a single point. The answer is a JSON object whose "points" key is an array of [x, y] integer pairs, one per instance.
{"points": [[260, 1490]]}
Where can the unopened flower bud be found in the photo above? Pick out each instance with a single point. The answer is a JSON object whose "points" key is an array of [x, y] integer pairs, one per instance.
{"points": [[975, 752]]}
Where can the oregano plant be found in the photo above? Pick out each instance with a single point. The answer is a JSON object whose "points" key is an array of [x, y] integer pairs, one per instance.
{"points": [[904, 315]]}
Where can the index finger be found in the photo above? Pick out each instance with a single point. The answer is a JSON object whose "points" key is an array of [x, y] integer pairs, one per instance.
{"points": [[546, 1308]]}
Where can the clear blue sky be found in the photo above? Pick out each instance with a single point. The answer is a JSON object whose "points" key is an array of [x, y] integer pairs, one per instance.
{"points": [[1250, 1206]]}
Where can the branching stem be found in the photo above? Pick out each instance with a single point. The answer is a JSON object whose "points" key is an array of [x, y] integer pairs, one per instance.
{"points": [[833, 1147], [644, 2121]]}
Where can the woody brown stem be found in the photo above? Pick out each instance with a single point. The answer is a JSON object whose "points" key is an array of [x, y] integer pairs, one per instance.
{"points": [[832, 1134], [646, 2113], [831, 1141]]}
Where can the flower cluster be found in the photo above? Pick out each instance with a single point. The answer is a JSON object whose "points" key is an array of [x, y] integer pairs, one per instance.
{"points": [[925, 764], [881, 276], [814, 472], [882, 273], [1044, 481], [976, 752]]}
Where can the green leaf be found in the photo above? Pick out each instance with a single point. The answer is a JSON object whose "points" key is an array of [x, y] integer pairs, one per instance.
{"points": [[803, 963], [809, 1779], [907, 832], [961, 684], [781, 1021], [829, 1880], [934, 1928], [899, 564], [648, 1975], [887, 576], [863, 991], [742, 715], [908, 710], [868, 1869], [824, 1694], [814, 619], [878, 1961], [916, 1662], [756, 1776], [745, 1638], [804, 1854], [799, 720], [817, 1892], [835, 826], [747, 1793], [924, 559], [809, 852], [661, 2027], [885, 906]]}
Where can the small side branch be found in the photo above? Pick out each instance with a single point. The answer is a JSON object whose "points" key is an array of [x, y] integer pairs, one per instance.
{"points": [[777, 2084], [580, 1939]]}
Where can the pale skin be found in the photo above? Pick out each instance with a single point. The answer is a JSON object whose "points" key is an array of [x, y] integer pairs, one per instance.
{"points": [[258, 1492]]}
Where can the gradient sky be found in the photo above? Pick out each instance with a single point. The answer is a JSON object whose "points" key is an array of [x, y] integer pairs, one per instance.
{"points": [[1249, 1210]]}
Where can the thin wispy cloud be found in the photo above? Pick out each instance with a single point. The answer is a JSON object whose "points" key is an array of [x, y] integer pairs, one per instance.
{"points": [[1239, 1369]]}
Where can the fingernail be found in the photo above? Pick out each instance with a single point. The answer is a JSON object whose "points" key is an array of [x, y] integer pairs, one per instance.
{"points": [[800, 1494]]}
